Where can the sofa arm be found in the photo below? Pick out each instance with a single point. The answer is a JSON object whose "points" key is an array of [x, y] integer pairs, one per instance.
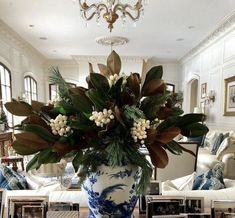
{"points": [[229, 160]]}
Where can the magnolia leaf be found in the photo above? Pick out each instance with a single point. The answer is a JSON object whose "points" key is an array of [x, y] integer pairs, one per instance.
{"points": [[91, 68], [154, 73], [152, 134], [194, 130], [81, 103], [40, 131], [19, 108], [174, 147], [33, 163], [189, 119], [37, 106], [100, 82], [36, 119], [154, 87], [117, 114], [47, 156], [158, 155], [77, 160], [168, 135], [176, 111], [78, 90], [169, 122], [104, 70], [114, 63], [97, 98], [29, 143], [133, 82], [61, 149], [164, 113]]}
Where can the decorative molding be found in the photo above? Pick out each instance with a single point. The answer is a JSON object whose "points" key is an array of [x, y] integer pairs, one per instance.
{"points": [[61, 62], [111, 40], [17, 40], [224, 27], [86, 58]]}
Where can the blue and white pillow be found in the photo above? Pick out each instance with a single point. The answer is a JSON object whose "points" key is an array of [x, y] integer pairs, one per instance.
{"points": [[11, 180], [210, 180]]}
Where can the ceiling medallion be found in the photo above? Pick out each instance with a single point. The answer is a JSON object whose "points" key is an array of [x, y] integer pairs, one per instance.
{"points": [[111, 40], [111, 10]]}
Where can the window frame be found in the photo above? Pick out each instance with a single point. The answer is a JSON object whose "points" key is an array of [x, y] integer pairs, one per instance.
{"points": [[29, 94]]}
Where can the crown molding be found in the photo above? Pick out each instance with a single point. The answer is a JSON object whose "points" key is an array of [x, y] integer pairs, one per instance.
{"points": [[17, 40], [61, 62], [224, 27], [88, 58]]}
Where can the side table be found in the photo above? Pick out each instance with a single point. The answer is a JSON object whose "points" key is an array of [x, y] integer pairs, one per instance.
{"points": [[13, 160]]}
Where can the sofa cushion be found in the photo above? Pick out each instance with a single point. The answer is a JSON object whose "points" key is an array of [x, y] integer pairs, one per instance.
{"points": [[12, 180], [227, 146], [210, 180]]}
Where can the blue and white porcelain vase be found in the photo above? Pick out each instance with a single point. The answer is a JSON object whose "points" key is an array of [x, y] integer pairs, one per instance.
{"points": [[111, 192]]}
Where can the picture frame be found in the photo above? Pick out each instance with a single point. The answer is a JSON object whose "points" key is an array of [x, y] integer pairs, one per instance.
{"points": [[170, 87], [164, 205], [16, 204], [222, 208], [194, 205], [229, 103], [33, 211], [2, 201], [203, 90]]}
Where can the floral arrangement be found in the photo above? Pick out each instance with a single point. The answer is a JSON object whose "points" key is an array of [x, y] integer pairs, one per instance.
{"points": [[108, 121]]}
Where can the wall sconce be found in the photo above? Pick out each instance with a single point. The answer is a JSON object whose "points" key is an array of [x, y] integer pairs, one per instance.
{"points": [[211, 95]]}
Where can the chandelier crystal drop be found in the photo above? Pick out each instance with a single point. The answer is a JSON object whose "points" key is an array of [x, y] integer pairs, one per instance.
{"points": [[111, 10]]}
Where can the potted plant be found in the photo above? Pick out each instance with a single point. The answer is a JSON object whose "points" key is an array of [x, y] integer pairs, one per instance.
{"points": [[102, 127]]}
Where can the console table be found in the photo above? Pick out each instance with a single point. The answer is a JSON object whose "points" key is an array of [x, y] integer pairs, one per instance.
{"points": [[5, 137], [13, 160]]}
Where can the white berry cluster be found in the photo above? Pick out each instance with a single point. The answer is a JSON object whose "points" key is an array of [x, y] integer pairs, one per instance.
{"points": [[138, 131], [113, 79], [59, 125], [102, 118]]}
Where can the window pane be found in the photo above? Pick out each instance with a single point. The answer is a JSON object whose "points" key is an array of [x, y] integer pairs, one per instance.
{"points": [[30, 89], [7, 77]]}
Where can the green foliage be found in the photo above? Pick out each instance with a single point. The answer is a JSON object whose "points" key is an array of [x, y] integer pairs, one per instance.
{"points": [[101, 124]]}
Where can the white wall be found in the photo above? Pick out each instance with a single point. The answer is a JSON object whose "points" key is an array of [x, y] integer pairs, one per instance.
{"points": [[212, 65], [21, 59]]}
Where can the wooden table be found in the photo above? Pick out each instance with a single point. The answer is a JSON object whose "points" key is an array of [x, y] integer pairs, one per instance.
{"points": [[13, 160], [5, 137]]}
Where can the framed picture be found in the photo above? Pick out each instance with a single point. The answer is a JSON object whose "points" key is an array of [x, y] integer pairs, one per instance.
{"points": [[222, 208], [17, 205], [203, 90], [33, 211], [170, 87], [62, 214], [164, 205], [229, 104], [194, 205], [2, 201]]}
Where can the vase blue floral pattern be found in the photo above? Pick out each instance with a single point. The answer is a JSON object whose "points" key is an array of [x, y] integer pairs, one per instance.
{"points": [[111, 191]]}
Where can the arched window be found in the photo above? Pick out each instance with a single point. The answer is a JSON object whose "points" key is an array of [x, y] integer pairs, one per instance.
{"points": [[30, 89], [54, 90], [5, 92]]}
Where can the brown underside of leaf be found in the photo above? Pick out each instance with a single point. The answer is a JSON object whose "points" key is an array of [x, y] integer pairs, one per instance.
{"points": [[158, 155], [61, 149], [114, 63], [104, 70], [91, 68], [36, 105], [154, 87], [78, 90], [18, 108], [36, 119], [133, 82], [151, 135], [164, 113], [168, 135]]}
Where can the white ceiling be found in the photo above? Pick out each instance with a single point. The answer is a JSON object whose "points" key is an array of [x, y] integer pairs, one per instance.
{"points": [[155, 35]]}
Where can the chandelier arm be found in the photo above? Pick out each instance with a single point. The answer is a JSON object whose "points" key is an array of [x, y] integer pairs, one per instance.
{"points": [[100, 7], [89, 17], [123, 8]]}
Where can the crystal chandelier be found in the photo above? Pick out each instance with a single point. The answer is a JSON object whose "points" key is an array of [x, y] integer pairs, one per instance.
{"points": [[111, 10]]}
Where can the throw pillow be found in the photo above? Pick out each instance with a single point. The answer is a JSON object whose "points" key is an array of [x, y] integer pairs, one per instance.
{"points": [[217, 143], [199, 140], [13, 180], [210, 180], [227, 146]]}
